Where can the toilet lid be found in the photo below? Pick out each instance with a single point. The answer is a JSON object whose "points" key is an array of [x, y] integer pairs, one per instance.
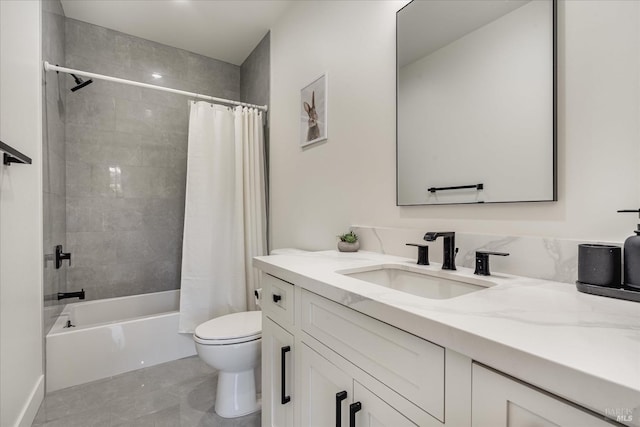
{"points": [[246, 324]]}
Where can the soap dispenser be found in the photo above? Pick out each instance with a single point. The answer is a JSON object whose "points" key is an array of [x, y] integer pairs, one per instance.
{"points": [[632, 257]]}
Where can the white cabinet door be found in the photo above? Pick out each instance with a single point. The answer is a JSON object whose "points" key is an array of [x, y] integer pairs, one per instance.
{"points": [[375, 412], [277, 383], [325, 391], [498, 401]]}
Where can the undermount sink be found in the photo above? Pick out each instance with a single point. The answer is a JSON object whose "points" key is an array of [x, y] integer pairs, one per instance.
{"points": [[422, 283]]}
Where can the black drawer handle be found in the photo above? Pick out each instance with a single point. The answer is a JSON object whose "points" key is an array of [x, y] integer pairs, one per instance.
{"points": [[276, 298], [340, 396], [284, 399], [353, 408]]}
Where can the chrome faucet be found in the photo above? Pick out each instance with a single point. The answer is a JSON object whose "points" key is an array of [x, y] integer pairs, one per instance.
{"points": [[449, 248]]}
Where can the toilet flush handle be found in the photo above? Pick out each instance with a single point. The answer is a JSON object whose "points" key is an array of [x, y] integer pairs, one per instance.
{"points": [[276, 298]]}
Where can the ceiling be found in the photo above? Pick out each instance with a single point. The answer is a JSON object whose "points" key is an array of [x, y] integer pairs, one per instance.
{"points": [[227, 30]]}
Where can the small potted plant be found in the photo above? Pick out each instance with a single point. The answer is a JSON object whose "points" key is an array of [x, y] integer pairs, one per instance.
{"points": [[348, 242]]}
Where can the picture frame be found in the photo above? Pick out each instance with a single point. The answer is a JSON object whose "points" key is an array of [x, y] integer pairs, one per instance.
{"points": [[313, 112]]}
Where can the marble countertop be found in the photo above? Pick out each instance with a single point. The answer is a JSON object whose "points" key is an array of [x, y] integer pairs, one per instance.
{"points": [[582, 347]]}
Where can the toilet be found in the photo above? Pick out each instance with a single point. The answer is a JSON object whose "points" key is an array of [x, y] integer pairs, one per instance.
{"points": [[232, 345]]}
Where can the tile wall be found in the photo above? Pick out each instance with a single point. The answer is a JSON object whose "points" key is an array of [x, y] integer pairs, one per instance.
{"points": [[126, 159], [254, 74]]}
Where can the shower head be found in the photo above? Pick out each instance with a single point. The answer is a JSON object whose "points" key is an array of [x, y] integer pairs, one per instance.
{"points": [[80, 83]]}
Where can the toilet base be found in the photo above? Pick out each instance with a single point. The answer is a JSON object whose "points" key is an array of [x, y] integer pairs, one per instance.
{"points": [[236, 394]]}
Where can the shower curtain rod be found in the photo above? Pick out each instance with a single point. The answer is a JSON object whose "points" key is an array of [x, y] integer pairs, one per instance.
{"points": [[52, 67]]}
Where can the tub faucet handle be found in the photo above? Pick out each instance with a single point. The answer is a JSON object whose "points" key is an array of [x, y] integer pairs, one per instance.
{"points": [[60, 256]]}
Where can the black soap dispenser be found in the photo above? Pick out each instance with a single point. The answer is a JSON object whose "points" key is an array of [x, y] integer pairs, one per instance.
{"points": [[632, 257]]}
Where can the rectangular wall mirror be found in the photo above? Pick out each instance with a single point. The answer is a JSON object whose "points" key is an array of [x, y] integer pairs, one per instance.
{"points": [[476, 102]]}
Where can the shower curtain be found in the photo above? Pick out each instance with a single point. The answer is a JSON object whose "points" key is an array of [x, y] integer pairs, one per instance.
{"points": [[225, 213]]}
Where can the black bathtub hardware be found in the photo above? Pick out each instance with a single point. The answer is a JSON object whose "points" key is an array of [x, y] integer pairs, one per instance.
{"points": [[63, 295], [69, 325], [482, 262], [60, 256], [423, 253], [449, 247], [11, 155], [458, 187]]}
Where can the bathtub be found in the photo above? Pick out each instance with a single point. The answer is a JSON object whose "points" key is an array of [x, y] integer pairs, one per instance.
{"points": [[112, 336]]}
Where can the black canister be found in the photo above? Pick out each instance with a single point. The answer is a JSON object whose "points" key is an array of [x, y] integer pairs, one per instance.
{"points": [[632, 257], [600, 265]]}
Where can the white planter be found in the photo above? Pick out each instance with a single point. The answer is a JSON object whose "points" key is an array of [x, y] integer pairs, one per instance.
{"points": [[348, 247]]}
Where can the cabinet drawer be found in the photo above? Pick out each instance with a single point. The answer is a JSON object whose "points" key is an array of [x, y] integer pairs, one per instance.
{"points": [[411, 366], [499, 401], [277, 299]]}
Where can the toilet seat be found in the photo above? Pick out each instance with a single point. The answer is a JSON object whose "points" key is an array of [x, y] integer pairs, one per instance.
{"points": [[230, 329]]}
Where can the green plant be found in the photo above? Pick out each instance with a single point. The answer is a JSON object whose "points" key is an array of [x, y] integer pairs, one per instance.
{"points": [[349, 237]]}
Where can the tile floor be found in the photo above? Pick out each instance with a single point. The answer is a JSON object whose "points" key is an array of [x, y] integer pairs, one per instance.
{"points": [[175, 394]]}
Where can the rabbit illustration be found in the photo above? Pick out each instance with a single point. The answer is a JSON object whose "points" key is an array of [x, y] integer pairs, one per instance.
{"points": [[314, 130]]}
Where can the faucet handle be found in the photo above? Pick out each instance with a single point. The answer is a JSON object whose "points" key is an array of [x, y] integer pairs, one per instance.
{"points": [[423, 253], [482, 262], [60, 256]]}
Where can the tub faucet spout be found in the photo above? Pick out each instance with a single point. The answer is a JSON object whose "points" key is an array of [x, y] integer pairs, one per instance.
{"points": [[449, 249], [63, 295]]}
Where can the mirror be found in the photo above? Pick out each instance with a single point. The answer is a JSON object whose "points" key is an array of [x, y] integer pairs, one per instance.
{"points": [[476, 102]]}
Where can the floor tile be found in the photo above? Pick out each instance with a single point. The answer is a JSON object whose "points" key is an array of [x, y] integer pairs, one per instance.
{"points": [[180, 393]]}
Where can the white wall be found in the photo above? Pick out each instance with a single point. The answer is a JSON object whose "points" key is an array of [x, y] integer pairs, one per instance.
{"points": [[318, 192], [21, 364]]}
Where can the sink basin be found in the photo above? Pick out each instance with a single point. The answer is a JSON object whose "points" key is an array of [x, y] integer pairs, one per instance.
{"points": [[418, 282]]}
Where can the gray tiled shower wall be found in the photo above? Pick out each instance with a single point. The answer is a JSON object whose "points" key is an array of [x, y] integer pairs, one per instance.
{"points": [[53, 150], [254, 74], [126, 159]]}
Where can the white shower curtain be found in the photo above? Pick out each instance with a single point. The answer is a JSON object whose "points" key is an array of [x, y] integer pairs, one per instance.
{"points": [[225, 213]]}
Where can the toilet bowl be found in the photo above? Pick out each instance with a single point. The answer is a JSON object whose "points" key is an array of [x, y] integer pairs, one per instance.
{"points": [[232, 345]]}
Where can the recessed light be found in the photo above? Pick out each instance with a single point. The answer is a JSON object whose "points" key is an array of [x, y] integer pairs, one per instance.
{"points": [[156, 75]]}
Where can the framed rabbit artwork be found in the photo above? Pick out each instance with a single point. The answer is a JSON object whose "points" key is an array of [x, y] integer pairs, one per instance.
{"points": [[313, 113]]}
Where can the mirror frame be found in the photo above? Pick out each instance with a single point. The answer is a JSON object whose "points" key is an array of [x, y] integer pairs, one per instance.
{"points": [[554, 24]]}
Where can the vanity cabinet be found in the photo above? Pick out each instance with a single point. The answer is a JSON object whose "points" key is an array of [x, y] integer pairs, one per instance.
{"points": [[500, 401], [333, 357], [323, 360], [332, 397], [278, 353], [277, 370], [407, 371]]}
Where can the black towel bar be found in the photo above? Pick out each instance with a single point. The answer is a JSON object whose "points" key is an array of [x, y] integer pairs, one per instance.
{"points": [[11, 155], [476, 186]]}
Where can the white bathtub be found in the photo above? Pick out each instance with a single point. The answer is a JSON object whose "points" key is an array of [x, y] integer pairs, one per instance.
{"points": [[112, 336]]}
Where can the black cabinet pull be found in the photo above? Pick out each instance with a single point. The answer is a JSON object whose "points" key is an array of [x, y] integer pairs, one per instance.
{"points": [[340, 396], [276, 298], [353, 408], [283, 395]]}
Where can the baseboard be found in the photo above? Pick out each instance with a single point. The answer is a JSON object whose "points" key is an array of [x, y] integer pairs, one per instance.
{"points": [[30, 410]]}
